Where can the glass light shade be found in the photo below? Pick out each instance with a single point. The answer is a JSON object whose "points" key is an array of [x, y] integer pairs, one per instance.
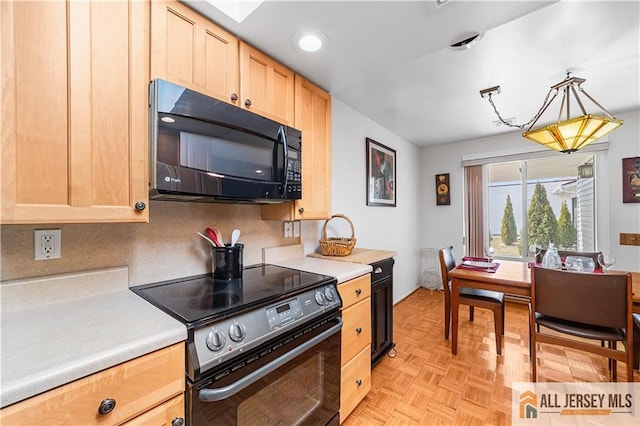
{"points": [[570, 135]]}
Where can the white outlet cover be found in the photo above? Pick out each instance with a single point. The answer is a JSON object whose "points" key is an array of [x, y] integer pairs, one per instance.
{"points": [[47, 244]]}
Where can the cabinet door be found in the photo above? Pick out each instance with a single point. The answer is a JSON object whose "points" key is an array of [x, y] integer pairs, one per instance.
{"points": [[189, 50], [266, 86], [313, 118], [74, 102], [381, 318]]}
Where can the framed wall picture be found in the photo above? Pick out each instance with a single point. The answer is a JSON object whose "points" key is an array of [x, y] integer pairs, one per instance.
{"points": [[381, 174], [631, 180], [443, 194]]}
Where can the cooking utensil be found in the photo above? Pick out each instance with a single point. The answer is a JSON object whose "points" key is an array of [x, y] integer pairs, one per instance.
{"points": [[235, 234], [215, 235], [207, 238]]}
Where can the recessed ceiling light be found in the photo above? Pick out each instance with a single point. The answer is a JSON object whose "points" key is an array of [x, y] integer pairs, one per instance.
{"points": [[310, 41], [465, 41]]}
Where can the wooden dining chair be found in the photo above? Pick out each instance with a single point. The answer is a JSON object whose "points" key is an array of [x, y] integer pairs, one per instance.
{"points": [[475, 298], [585, 306]]}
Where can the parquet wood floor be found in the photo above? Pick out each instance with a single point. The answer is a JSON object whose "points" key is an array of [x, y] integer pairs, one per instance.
{"points": [[425, 385]]}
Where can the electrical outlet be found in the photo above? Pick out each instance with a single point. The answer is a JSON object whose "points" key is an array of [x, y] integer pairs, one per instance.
{"points": [[288, 229], [296, 229], [47, 244]]}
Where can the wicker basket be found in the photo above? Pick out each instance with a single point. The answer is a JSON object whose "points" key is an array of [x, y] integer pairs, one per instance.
{"points": [[337, 246]]}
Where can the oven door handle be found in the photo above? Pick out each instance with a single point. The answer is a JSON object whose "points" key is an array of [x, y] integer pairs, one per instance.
{"points": [[210, 395]]}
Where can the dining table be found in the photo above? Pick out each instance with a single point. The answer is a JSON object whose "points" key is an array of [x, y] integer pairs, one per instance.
{"points": [[511, 278]]}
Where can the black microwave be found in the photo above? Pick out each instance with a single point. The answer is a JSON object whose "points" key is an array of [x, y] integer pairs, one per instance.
{"points": [[203, 149]]}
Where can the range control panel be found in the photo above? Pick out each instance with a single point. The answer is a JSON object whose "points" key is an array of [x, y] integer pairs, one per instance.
{"points": [[225, 339]]}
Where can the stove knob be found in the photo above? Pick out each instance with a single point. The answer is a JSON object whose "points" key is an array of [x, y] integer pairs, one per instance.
{"points": [[216, 340], [237, 331], [330, 294], [320, 298]]}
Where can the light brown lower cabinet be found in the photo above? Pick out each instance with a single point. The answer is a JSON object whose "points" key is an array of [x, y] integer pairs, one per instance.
{"points": [[147, 390], [355, 373]]}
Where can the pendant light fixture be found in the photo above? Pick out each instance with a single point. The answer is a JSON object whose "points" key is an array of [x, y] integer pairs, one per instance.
{"points": [[570, 134]]}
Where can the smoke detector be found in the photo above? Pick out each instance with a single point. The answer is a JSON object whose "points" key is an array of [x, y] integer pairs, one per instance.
{"points": [[465, 41]]}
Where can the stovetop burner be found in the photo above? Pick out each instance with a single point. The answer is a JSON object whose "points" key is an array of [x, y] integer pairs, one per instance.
{"points": [[201, 297]]}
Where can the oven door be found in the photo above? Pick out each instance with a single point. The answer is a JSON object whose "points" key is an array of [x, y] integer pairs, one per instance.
{"points": [[294, 380]]}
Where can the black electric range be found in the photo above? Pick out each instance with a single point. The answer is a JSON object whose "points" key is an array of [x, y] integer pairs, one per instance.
{"points": [[226, 319]]}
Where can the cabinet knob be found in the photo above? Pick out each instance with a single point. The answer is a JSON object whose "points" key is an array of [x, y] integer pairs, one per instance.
{"points": [[140, 206], [359, 330], [178, 421], [247, 102], [301, 210], [359, 382], [106, 406], [358, 291], [234, 97]]}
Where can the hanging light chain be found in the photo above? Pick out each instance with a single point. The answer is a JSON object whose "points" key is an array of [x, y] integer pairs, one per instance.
{"points": [[545, 103]]}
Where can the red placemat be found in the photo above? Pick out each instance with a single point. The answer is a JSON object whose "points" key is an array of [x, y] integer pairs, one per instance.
{"points": [[493, 268]]}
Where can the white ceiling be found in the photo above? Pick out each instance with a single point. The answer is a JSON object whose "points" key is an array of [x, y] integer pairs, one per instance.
{"points": [[390, 60]]}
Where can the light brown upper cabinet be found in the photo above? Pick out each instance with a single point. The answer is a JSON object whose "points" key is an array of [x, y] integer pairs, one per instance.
{"points": [[266, 87], [313, 117], [189, 50], [74, 111]]}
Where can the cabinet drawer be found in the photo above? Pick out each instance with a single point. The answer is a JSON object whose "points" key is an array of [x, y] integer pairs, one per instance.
{"points": [[356, 329], [355, 290], [381, 270], [136, 386], [355, 382], [163, 414]]}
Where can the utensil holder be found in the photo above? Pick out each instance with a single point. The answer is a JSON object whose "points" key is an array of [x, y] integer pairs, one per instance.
{"points": [[227, 262]]}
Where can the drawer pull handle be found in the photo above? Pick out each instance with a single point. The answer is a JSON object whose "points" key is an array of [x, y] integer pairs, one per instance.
{"points": [[178, 421], [359, 382], [358, 330], [358, 291], [106, 406], [378, 270]]}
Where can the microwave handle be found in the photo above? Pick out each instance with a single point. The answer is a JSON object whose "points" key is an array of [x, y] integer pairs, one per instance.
{"points": [[282, 136]]}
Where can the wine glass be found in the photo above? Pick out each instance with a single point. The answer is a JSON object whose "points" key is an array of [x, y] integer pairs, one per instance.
{"points": [[489, 252], [606, 261]]}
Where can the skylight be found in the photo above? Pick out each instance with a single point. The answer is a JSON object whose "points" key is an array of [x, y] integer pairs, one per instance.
{"points": [[237, 10]]}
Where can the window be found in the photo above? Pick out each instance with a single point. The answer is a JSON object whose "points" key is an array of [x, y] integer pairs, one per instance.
{"points": [[536, 200]]}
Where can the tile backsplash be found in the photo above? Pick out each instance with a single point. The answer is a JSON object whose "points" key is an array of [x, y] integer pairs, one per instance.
{"points": [[165, 248]]}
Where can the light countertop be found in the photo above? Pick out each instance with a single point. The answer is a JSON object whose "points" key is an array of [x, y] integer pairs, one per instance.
{"points": [[48, 345], [343, 271]]}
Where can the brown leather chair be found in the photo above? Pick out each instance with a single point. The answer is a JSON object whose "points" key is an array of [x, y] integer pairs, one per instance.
{"points": [[636, 341], [588, 306], [470, 296], [564, 253]]}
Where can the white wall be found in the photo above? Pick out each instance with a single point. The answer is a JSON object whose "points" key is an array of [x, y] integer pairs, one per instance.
{"points": [[443, 225], [384, 228]]}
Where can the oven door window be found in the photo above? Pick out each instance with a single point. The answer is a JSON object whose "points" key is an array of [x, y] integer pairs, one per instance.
{"points": [[303, 391], [288, 400]]}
